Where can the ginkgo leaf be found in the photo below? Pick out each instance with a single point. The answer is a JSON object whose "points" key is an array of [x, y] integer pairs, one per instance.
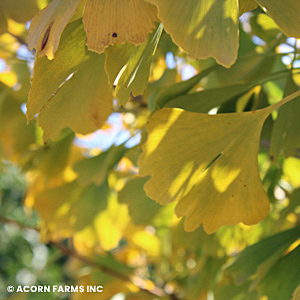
{"points": [[246, 5], [82, 103], [134, 79], [95, 169], [116, 58], [47, 26], [20, 11], [141, 208], [205, 100], [108, 22], [209, 164], [248, 261], [283, 278], [202, 28], [3, 22], [61, 207], [285, 133], [49, 75], [54, 157], [15, 136], [285, 13]]}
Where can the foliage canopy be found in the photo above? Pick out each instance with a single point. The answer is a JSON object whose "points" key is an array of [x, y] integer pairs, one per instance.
{"points": [[159, 141]]}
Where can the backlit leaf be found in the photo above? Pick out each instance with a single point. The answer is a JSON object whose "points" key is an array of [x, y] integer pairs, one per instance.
{"points": [[285, 13], [108, 22], [82, 103], [71, 54], [291, 171], [95, 169], [209, 164], [141, 208], [248, 261], [48, 25], [54, 157], [205, 100], [116, 58], [283, 278], [134, 79], [285, 133], [202, 28], [15, 136], [246, 5], [180, 88]]}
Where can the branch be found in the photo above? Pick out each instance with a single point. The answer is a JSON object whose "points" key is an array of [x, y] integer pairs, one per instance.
{"points": [[155, 291]]}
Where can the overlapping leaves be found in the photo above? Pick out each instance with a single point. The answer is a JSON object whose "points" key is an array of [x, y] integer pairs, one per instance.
{"points": [[215, 174]]}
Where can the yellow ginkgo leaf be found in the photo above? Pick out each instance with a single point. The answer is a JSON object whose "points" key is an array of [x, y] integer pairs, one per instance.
{"points": [[285, 13], [246, 5], [110, 21], [20, 11], [83, 103], [202, 28], [47, 26], [209, 164]]}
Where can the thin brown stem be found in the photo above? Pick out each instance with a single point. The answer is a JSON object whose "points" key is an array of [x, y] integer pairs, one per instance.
{"points": [[67, 251]]}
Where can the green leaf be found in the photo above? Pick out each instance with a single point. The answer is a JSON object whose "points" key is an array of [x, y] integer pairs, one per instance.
{"points": [[285, 134], [228, 290], [285, 13], [199, 160], [202, 28], [205, 100], [264, 27], [47, 26], [181, 88], [61, 207], [49, 75], [141, 208], [248, 261], [116, 58], [291, 171], [95, 169], [134, 79], [3, 22], [15, 136], [283, 278], [55, 156], [20, 11], [82, 103]]}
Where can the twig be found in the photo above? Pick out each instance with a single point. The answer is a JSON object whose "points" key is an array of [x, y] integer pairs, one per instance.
{"points": [[155, 291]]}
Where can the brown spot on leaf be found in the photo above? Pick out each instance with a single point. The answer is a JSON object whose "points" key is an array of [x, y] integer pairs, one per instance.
{"points": [[46, 36], [114, 35]]}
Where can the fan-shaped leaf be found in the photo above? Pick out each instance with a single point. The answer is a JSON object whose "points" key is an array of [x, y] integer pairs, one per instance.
{"points": [[83, 102], [108, 22], [202, 28], [48, 25], [285, 13], [246, 5], [134, 79], [209, 164]]}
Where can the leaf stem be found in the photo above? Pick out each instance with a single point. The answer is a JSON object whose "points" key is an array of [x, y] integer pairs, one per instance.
{"points": [[283, 101]]}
